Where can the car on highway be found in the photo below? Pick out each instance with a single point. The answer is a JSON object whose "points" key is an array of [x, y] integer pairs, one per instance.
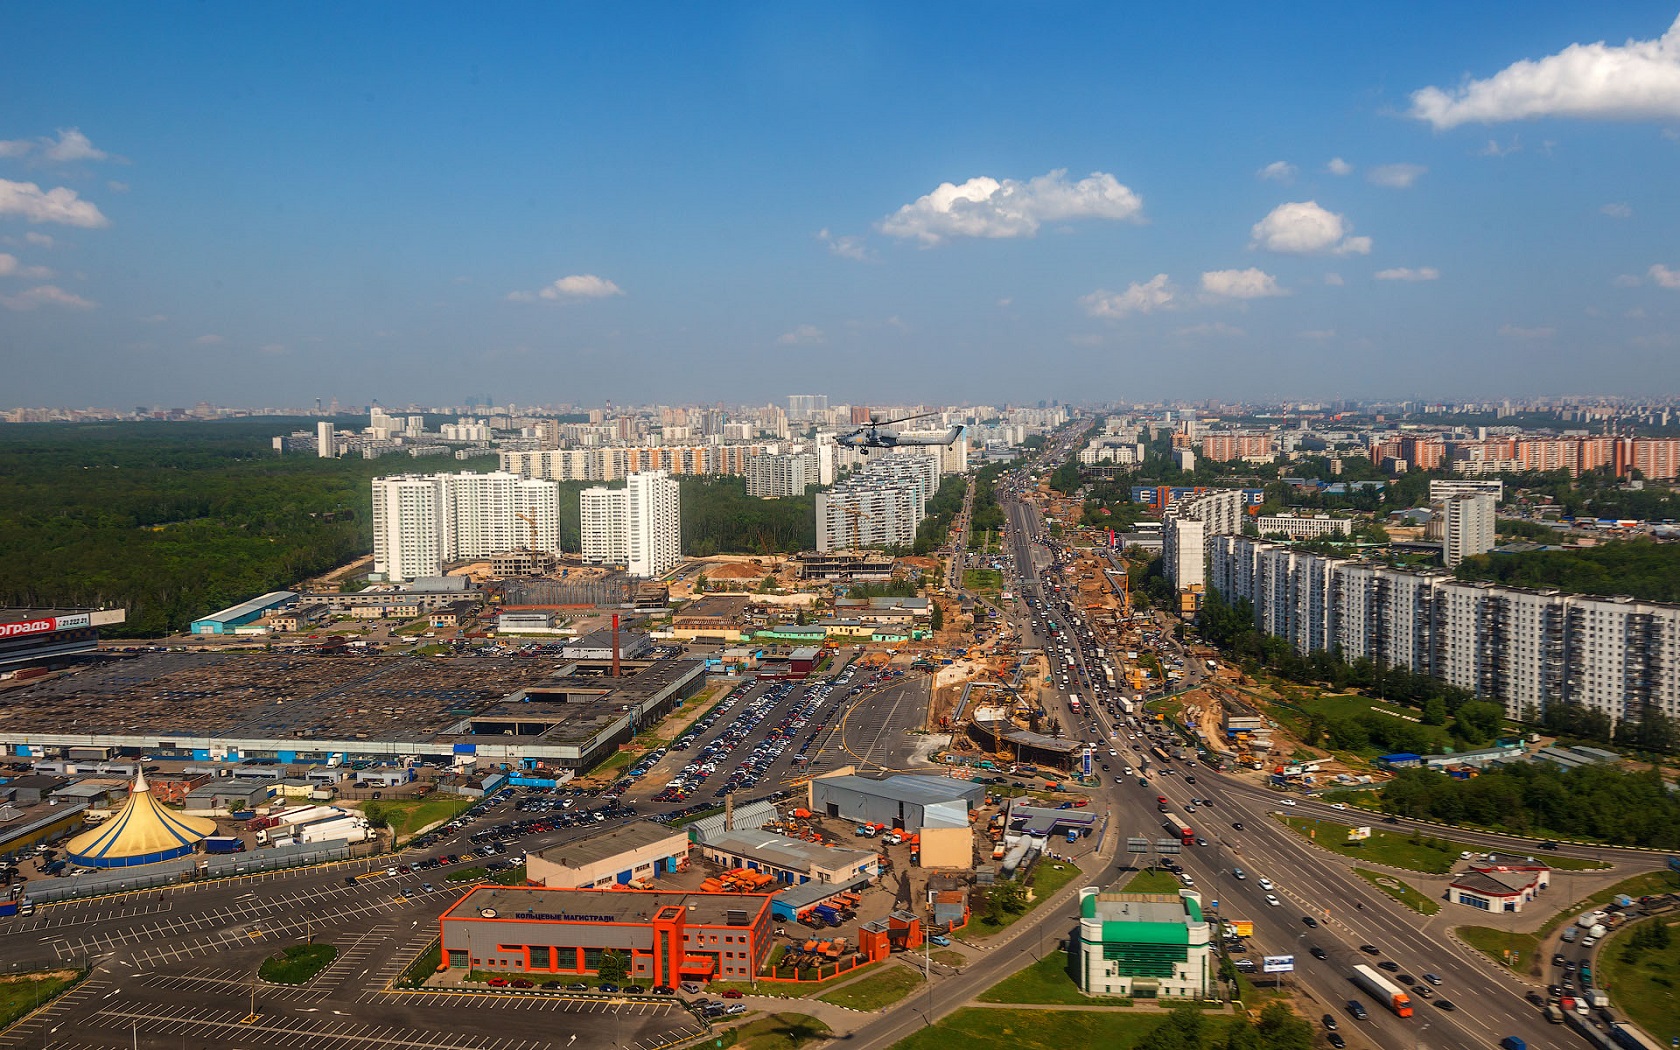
{"points": [[1310, 921], [1266, 884], [1432, 978], [1335, 1039], [1330, 1024], [1271, 898], [1357, 1009], [1390, 965], [1445, 1004], [1370, 949], [1289, 802], [1239, 874], [1237, 825], [1318, 953], [1201, 841]]}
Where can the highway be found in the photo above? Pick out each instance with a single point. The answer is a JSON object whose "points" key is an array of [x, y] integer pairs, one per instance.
{"points": [[1309, 883]]}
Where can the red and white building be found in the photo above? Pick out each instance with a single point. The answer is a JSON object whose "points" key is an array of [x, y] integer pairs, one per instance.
{"points": [[1499, 887]]}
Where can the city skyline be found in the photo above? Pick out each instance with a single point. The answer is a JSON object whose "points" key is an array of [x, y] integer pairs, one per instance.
{"points": [[259, 208]]}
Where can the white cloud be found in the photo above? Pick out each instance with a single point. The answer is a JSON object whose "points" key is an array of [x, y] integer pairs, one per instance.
{"points": [[71, 145], [40, 240], [272, 348], [1334, 280], [1338, 166], [1663, 277], [1155, 294], [45, 295], [210, 339], [27, 201], [15, 147], [1639, 80], [1494, 149], [10, 267], [1627, 280], [1617, 210], [1211, 328], [117, 187], [1406, 273], [1318, 334], [847, 247], [1302, 227], [1511, 331], [1277, 171], [154, 318], [804, 335], [1252, 283], [987, 207], [1395, 176], [576, 286]]}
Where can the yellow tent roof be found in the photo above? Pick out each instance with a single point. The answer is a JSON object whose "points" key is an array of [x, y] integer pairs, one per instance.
{"points": [[142, 832]]}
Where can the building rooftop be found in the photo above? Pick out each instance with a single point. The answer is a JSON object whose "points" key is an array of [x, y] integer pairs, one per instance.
{"points": [[906, 787], [610, 844], [629, 906], [1142, 916], [791, 853], [261, 603]]}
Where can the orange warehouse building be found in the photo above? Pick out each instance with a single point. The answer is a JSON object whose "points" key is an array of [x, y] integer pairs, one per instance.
{"points": [[664, 937]]}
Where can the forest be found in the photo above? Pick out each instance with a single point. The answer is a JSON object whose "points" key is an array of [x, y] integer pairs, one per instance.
{"points": [[1535, 798], [1641, 568], [174, 520]]}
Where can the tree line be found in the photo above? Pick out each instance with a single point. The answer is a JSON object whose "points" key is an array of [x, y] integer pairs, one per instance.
{"points": [[1602, 803], [1641, 568]]}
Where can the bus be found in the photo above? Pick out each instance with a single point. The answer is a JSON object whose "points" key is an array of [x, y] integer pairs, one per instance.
{"points": [[1073, 701], [1161, 753], [1174, 826]]}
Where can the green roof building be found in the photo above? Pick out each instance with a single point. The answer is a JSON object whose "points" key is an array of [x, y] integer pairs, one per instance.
{"points": [[1144, 945]]}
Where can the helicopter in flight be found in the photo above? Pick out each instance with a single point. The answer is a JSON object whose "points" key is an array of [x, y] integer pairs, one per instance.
{"points": [[878, 433]]}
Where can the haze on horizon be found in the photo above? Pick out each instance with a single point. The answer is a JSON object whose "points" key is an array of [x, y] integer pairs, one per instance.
{"points": [[941, 203]]}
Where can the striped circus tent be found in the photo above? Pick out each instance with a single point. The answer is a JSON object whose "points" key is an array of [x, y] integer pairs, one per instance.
{"points": [[142, 832]]}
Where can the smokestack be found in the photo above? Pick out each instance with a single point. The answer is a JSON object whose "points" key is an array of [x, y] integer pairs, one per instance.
{"points": [[615, 645], [729, 812]]}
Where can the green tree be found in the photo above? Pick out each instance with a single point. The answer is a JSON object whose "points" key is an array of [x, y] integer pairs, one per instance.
{"points": [[1435, 712], [936, 616], [613, 967]]}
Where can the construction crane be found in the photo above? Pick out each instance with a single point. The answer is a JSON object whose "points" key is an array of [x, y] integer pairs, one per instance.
{"points": [[856, 513], [527, 519]]}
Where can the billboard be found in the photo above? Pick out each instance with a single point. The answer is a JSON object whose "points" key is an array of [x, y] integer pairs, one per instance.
{"points": [[1244, 927], [1358, 834], [1277, 964]]}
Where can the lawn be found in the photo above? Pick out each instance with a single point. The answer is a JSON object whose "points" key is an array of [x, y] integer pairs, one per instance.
{"points": [[949, 957], [297, 964], [876, 991], [1495, 943], [1401, 891], [407, 816], [23, 992], [514, 876], [1647, 989], [776, 1032], [984, 1028], [1049, 876], [1153, 882], [1399, 851], [1045, 982], [422, 968], [988, 582]]}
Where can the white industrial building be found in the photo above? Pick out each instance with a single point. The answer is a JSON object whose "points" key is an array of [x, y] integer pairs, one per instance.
{"points": [[638, 526], [1307, 527], [1524, 649], [423, 521], [326, 441]]}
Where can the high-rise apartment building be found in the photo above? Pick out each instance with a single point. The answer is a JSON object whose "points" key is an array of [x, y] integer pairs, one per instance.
{"points": [[802, 407], [1467, 526], [1524, 649], [1185, 528], [781, 475], [881, 507], [326, 440], [638, 526], [422, 522]]}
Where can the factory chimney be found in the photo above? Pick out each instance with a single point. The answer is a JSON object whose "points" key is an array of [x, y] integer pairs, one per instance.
{"points": [[615, 645], [729, 811]]}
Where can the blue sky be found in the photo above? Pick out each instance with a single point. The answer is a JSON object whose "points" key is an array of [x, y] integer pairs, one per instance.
{"points": [[661, 203]]}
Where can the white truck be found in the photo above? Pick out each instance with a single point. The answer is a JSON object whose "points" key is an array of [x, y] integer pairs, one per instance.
{"points": [[348, 828]]}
